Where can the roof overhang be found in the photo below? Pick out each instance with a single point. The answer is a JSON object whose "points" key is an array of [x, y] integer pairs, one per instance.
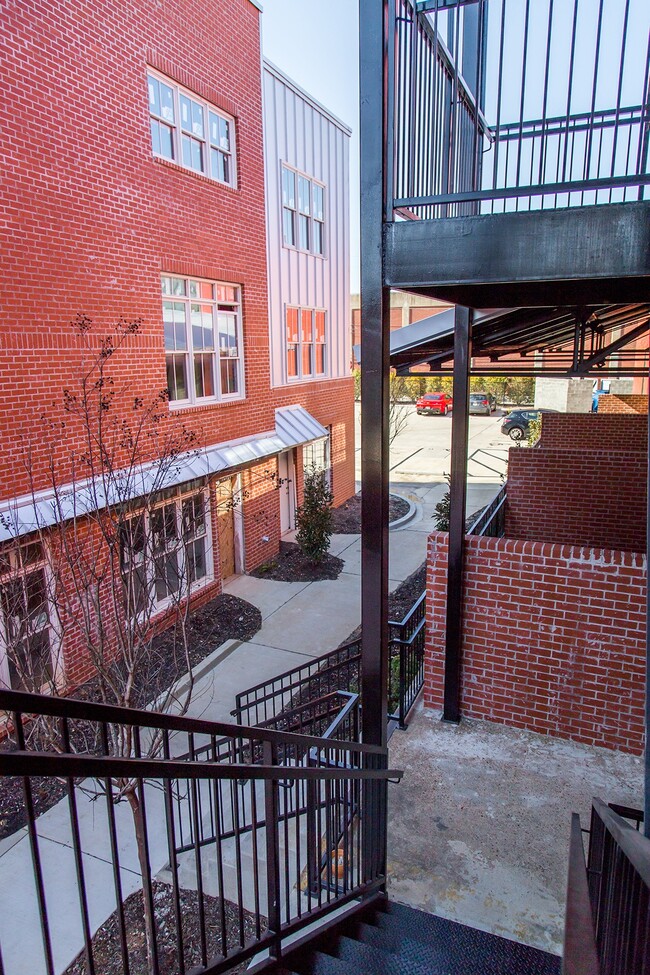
{"points": [[20, 516], [594, 340]]}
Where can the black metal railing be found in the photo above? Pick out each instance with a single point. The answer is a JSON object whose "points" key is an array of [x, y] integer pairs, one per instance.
{"points": [[406, 670], [300, 831], [500, 105], [608, 899], [619, 890], [270, 700], [296, 698], [491, 521]]}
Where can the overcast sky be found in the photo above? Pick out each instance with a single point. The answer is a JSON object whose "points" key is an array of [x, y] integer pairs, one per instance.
{"points": [[316, 42]]}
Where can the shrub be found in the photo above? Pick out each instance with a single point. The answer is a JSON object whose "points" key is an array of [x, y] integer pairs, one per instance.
{"points": [[443, 508], [314, 516]]}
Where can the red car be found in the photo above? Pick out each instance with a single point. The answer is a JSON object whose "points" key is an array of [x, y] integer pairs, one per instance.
{"points": [[435, 403]]}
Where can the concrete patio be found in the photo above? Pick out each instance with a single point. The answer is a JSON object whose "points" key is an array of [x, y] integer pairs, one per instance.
{"points": [[479, 826]]}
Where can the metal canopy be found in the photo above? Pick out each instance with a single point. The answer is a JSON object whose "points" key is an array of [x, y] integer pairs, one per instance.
{"points": [[594, 340]]}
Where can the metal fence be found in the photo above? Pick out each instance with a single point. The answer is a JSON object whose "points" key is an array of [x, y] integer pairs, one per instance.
{"points": [[491, 521], [296, 823], [406, 671], [505, 105]]}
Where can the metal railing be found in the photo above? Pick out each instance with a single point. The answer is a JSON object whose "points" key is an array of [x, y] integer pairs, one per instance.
{"points": [[297, 694], [406, 671], [500, 105], [608, 899], [491, 521], [619, 890], [300, 831], [264, 703]]}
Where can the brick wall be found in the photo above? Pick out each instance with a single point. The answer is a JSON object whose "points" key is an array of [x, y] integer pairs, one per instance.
{"points": [[623, 403], [94, 218], [595, 431], [575, 496], [554, 638]]}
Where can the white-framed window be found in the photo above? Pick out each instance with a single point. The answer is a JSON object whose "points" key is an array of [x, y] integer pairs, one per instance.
{"points": [[305, 341], [190, 131], [27, 639], [165, 552], [316, 457], [203, 341], [303, 212]]}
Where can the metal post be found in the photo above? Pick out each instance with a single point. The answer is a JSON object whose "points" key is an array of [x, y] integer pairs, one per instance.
{"points": [[457, 514], [374, 379], [646, 803]]}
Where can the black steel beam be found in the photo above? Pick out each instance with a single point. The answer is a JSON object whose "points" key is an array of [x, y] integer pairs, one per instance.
{"points": [[613, 347], [457, 515], [646, 800], [375, 343], [548, 255]]}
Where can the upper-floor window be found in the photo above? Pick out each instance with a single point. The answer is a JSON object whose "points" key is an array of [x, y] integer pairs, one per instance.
{"points": [[306, 351], [303, 213], [203, 344], [26, 638], [190, 131]]}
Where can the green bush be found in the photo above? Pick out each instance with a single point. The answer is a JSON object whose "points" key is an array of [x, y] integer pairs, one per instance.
{"points": [[314, 516], [357, 383], [443, 509]]}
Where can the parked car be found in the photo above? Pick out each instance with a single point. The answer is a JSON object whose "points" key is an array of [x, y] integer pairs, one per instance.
{"points": [[434, 403], [482, 403], [515, 424]]}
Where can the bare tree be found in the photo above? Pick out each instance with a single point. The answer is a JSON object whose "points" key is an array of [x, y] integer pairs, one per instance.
{"points": [[121, 544]]}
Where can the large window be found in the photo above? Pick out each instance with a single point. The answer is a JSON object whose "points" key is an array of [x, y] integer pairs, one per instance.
{"points": [[306, 347], [316, 457], [202, 322], [165, 552], [190, 131], [26, 637], [303, 213]]}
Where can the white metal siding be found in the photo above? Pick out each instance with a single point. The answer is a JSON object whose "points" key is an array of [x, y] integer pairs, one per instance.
{"points": [[307, 138]]}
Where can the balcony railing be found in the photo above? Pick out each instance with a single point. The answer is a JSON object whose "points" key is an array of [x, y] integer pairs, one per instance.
{"points": [[498, 105], [297, 829], [491, 521]]}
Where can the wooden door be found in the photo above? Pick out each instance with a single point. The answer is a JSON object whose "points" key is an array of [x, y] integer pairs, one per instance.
{"points": [[226, 526]]}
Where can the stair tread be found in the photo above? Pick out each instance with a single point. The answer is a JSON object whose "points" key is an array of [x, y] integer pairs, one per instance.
{"points": [[464, 950], [410, 959]]}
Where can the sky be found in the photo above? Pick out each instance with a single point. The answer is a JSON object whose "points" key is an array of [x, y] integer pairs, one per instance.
{"points": [[316, 42]]}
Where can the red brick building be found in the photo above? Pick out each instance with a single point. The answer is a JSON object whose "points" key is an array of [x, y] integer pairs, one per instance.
{"points": [[134, 191]]}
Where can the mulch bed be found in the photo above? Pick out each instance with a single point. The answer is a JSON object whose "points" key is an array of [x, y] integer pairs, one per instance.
{"points": [[401, 599], [347, 517], [106, 943], [291, 565], [225, 617]]}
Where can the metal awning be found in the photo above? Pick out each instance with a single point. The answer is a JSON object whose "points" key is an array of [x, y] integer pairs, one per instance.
{"points": [[595, 340], [293, 426]]}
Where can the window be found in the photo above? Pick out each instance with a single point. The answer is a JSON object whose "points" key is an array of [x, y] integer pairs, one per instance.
{"points": [[165, 552], [303, 214], [316, 457], [190, 131], [25, 631], [305, 332], [202, 324]]}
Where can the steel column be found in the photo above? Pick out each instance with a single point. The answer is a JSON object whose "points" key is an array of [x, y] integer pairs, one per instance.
{"points": [[375, 343], [646, 802], [457, 514]]}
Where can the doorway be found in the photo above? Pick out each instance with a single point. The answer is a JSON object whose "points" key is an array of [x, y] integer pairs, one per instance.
{"points": [[226, 499], [286, 477]]}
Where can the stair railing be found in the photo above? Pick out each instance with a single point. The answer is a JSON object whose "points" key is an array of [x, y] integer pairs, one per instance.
{"points": [[406, 666], [297, 863]]}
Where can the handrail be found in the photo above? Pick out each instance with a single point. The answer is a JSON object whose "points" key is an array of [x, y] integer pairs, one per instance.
{"points": [[632, 843], [287, 674], [414, 608], [23, 763], [580, 956], [65, 707]]}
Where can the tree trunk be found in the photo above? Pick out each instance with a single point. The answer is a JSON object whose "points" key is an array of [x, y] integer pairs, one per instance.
{"points": [[147, 902]]}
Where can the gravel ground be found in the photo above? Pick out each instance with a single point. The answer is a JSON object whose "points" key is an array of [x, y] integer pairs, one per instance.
{"points": [[106, 944]]}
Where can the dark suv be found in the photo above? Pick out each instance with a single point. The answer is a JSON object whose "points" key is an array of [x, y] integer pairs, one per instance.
{"points": [[515, 424], [482, 403]]}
